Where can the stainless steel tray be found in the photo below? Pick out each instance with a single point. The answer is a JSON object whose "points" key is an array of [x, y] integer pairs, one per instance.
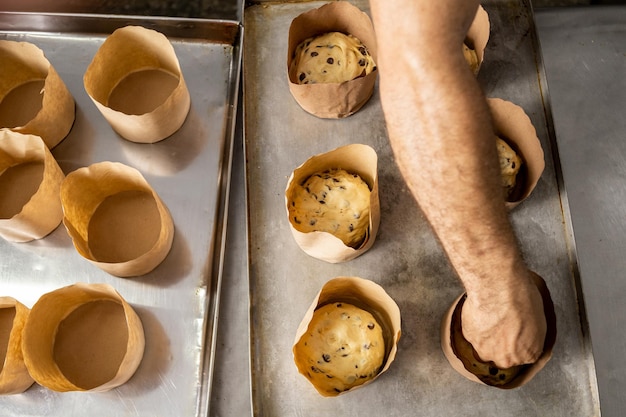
{"points": [[406, 258], [178, 301]]}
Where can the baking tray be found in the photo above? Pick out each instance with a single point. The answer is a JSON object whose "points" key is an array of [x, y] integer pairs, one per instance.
{"points": [[406, 258], [178, 301]]}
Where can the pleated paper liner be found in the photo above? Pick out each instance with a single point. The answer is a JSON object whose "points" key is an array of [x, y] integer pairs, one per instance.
{"points": [[461, 359], [136, 82], [30, 180], [364, 294], [14, 376], [115, 219], [33, 98], [355, 159], [514, 126], [84, 337], [478, 37], [332, 100]]}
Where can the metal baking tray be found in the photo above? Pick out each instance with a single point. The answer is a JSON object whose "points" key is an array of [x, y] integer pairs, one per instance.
{"points": [[178, 301], [406, 258]]}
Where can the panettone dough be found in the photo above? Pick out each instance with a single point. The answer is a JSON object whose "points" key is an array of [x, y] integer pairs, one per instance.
{"points": [[335, 202], [342, 348], [330, 58], [471, 57], [510, 164]]}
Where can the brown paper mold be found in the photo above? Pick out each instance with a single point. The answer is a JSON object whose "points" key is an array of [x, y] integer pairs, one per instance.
{"points": [[476, 40], [84, 337], [332, 100], [136, 82], [332, 183], [30, 180], [115, 219], [514, 127], [14, 376], [464, 360], [33, 98], [368, 311]]}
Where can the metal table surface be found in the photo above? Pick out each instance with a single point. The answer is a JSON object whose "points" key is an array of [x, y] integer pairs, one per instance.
{"points": [[584, 57], [584, 52]]}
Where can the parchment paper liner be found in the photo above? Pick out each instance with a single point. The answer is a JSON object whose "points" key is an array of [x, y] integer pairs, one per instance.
{"points": [[357, 159], [364, 294], [513, 126], [14, 376], [333, 100], [86, 188], [478, 35], [126, 51], [42, 213], [40, 333], [23, 62], [526, 374]]}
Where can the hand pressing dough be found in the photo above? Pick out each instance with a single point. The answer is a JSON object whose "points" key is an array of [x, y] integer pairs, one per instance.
{"points": [[331, 58], [335, 202], [487, 372], [342, 348]]}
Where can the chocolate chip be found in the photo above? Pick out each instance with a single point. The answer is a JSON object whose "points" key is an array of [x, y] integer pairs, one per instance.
{"points": [[314, 53], [493, 370], [330, 61], [312, 222], [502, 377], [326, 357], [363, 51], [295, 219], [316, 370], [367, 346], [371, 326], [338, 304], [361, 62], [302, 76], [351, 228]]}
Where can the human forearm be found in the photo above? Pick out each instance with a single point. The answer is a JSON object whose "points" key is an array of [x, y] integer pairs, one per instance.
{"points": [[451, 167], [440, 129]]}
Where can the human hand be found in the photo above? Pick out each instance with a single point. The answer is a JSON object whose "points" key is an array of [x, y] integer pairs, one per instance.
{"points": [[508, 328]]}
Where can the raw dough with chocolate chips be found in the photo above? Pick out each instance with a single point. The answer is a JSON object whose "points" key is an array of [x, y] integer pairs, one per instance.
{"points": [[342, 348], [335, 202], [471, 57], [330, 58], [510, 164]]}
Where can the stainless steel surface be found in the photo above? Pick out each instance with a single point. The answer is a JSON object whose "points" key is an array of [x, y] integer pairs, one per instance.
{"points": [[178, 302], [584, 52], [406, 258]]}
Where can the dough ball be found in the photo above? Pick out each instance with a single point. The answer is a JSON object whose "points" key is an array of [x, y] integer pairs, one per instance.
{"points": [[471, 57], [331, 58], [510, 164], [342, 348], [335, 202]]}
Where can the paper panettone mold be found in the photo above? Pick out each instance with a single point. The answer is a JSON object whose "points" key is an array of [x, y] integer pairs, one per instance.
{"points": [[332, 100], [84, 337], [477, 39], [33, 98], [136, 82], [355, 159], [115, 219], [14, 376], [365, 295], [462, 357], [513, 125], [30, 180]]}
